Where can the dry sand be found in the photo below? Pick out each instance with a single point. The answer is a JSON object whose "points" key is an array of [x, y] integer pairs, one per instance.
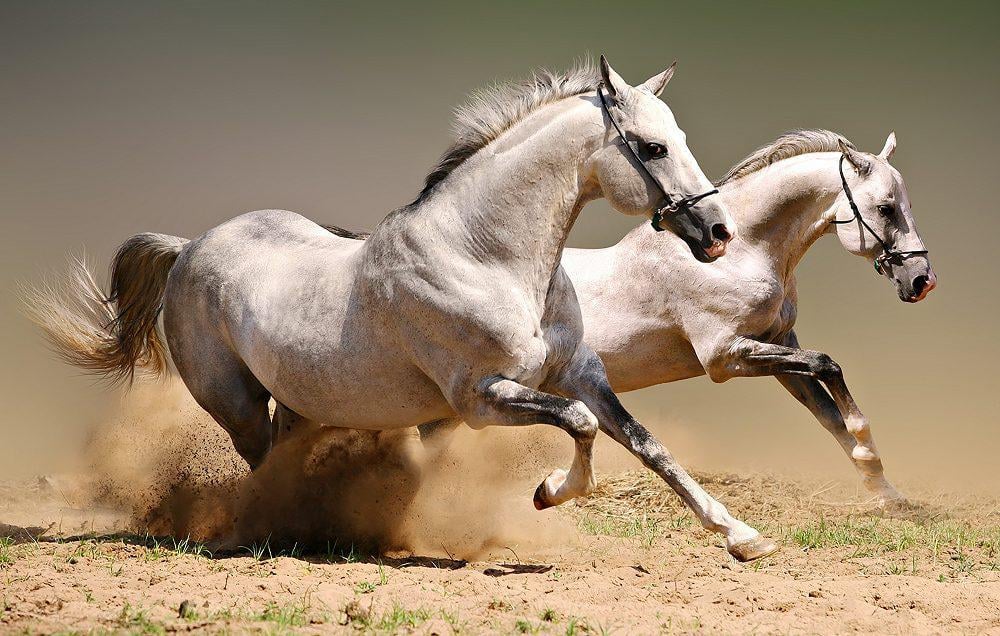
{"points": [[361, 533]]}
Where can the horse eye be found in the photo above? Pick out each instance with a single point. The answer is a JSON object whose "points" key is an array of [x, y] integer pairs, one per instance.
{"points": [[886, 210], [655, 150]]}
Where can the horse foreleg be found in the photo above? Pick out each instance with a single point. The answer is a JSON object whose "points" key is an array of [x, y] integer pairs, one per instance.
{"points": [[499, 401], [587, 381], [813, 396], [802, 371]]}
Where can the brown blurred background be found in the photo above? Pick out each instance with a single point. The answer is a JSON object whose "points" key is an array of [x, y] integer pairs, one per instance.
{"points": [[174, 116]]}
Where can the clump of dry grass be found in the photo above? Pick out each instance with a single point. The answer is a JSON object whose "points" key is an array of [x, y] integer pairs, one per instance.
{"points": [[949, 535]]}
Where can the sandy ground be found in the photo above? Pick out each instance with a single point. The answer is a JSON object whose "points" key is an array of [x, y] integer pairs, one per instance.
{"points": [[628, 560], [358, 533]]}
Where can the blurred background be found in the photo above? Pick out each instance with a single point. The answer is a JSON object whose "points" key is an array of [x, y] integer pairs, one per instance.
{"points": [[175, 116]]}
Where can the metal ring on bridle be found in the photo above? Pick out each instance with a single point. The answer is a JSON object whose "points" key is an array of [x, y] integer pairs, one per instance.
{"points": [[678, 206]]}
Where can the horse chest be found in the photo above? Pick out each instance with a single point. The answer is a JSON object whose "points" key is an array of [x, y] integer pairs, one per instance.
{"points": [[757, 305], [775, 314]]}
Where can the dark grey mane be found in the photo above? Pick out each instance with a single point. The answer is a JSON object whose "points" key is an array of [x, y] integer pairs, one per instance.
{"points": [[492, 111], [348, 234], [790, 144]]}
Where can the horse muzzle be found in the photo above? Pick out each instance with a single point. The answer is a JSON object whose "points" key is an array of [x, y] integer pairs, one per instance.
{"points": [[921, 286]]}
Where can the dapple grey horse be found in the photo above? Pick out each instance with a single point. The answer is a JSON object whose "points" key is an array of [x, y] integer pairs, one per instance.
{"points": [[455, 306]]}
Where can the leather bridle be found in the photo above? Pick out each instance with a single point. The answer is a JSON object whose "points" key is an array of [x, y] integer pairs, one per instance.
{"points": [[681, 205], [888, 255]]}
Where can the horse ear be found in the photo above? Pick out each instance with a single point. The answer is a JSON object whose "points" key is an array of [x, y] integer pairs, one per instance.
{"points": [[613, 82], [858, 160], [657, 83], [889, 147]]}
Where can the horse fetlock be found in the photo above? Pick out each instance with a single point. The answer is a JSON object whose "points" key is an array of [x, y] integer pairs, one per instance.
{"points": [[866, 454]]}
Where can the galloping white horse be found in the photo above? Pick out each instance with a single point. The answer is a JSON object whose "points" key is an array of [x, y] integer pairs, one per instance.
{"points": [[656, 315], [735, 317], [455, 307]]}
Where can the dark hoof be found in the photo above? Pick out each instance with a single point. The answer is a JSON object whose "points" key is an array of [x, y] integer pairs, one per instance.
{"points": [[753, 549], [539, 499]]}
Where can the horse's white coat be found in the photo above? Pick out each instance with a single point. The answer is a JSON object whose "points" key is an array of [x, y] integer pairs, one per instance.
{"points": [[454, 307], [654, 314]]}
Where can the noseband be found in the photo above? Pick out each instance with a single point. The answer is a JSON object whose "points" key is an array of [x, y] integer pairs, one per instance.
{"points": [[888, 254], [682, 204]]}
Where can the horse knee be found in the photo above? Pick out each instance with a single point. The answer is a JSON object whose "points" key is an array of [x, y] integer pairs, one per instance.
{"points": [[825, 367], [582, 422]]}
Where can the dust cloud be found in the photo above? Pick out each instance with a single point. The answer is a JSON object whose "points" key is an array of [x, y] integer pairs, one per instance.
{"points": [[172, 470]]}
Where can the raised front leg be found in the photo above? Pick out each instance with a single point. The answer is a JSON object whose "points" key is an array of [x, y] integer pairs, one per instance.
{"points": [[587, 381], [804, 373], [501, 402]]}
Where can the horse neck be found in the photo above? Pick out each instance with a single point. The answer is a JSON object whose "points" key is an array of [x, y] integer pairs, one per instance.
{"points": [[514, 202], [787, 206]]}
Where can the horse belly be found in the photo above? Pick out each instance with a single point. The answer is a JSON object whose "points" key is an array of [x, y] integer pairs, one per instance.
{"points": [[392, 399], [666, 357], [348, 373]]}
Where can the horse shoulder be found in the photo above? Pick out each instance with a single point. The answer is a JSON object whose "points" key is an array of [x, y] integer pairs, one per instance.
{"points": [[771, 308]]}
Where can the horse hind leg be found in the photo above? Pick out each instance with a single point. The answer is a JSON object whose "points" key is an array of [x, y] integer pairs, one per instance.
{"points": [[248, 424], [239, 403]]}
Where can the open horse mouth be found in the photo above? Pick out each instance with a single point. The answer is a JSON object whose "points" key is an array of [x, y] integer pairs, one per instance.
{"points": [[706, 254], [716, 249]]}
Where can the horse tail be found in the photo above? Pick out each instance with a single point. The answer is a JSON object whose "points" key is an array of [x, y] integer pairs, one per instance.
{"points": [[113, 334]]}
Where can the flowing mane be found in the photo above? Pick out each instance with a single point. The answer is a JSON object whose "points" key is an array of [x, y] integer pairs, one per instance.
{"points": [[791, 144], [492, 111]]}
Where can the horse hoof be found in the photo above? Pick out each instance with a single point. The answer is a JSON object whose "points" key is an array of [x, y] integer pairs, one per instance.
{"points": [[753, 549], [893, 502], [539, 498]]}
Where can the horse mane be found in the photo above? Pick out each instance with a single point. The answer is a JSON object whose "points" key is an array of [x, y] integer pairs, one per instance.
{"points": [[348, 234], [492, 111], [790, 144]]}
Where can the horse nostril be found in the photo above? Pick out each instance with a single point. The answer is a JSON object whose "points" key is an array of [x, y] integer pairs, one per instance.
{"points": [[919, 283], [720, 232]]}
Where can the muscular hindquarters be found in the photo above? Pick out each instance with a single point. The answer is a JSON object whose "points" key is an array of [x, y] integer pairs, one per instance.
{"points": [[287, 316]]}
